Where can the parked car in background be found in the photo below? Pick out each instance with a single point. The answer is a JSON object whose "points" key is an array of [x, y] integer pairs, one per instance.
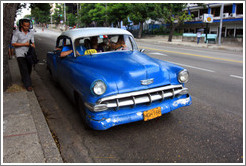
{"points": [[113, 82]]}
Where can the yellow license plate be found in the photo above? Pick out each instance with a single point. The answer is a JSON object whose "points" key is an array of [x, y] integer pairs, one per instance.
{"points": [[151, 114]]}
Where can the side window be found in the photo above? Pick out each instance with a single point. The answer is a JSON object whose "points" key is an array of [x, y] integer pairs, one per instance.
{"points": [[134, 44], [128, 42], [66, 42], [60, 44]]}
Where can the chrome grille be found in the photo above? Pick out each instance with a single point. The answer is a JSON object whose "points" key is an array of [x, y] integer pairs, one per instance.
{"points": [[142, 97]]}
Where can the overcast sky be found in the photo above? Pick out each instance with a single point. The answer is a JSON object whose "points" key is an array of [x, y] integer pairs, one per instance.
{"points": [[24, 11]]}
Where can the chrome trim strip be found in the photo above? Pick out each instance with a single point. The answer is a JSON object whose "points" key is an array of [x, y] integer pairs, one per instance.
{"points": [[139, 97], [141, 92], [134, 101], [162, 95]]}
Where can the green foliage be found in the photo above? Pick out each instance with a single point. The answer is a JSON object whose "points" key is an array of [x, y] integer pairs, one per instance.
{"points": [[56, 17], [98, 14], [105, 14], [117, 12], [84, 16], [41, 12], [173, 12], [139, 12], [71, 19]]}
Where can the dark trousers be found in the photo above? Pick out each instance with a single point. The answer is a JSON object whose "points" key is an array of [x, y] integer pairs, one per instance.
{"points": [[198, 38], [25, 71]]}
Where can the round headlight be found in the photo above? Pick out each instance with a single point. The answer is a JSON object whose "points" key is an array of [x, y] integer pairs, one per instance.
{"points": [[99, 88], [183, 76]]}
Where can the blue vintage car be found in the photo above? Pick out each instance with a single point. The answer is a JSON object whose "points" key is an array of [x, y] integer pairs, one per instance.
{"points": [[111, 81]]}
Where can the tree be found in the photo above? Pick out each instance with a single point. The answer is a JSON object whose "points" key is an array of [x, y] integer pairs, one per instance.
{"points": [[9, 13], [117, 12], [173, 14], [84, 17], [41, 12], [71, 19], [140, 12], [58, 14], [98, 14]]}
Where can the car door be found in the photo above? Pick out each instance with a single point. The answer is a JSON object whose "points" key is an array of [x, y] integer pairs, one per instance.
{"points": [[53, 57], [65, 68]]}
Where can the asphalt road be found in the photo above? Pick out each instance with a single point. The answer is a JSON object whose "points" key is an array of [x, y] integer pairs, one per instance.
{"points": [[208, 131]]}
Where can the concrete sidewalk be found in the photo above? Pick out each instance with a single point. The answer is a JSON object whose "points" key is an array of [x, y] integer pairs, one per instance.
{"points": [[26, 135]]}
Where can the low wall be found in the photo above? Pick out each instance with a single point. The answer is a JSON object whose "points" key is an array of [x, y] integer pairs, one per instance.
{"points": [[233, 41], [163, 37]]}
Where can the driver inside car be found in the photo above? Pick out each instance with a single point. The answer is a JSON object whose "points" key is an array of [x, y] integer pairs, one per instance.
{"points": [[120, 45]]}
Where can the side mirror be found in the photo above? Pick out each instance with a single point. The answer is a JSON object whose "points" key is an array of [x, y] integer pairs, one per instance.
{"points": [[142, 50]]}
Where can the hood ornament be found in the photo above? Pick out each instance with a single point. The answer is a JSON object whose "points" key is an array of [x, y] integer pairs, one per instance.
{"points": [[147, 82]]}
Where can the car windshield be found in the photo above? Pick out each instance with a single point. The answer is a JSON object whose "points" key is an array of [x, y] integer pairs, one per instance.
{"points": [[104, 43]]}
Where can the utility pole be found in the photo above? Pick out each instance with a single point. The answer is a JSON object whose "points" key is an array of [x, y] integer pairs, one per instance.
{"points": [[65, 16], [77, 9], [106, 15], [51, 23], [221, 19]]}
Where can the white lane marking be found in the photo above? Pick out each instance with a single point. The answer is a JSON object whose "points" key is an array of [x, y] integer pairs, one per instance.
{"points": [[236, 76], [157, 53], [193, 67]]}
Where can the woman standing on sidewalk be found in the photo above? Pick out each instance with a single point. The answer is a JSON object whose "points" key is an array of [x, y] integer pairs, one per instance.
{"points": [[20, 41], [198, 35]]}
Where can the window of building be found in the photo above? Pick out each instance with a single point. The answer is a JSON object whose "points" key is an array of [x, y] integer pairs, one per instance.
{"points": [[203, 11], [215, 11], [230, 33], [228, 9], [239, 32], [194, 13], [239, 8], [186, 30], [213, 32], [206, 30], [223, 31]]}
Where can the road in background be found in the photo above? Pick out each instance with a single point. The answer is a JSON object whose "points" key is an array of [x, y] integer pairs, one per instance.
{"points": [[210, 130]]}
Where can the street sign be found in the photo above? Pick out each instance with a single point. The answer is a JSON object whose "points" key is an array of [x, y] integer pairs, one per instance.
{"points": [[208, 18]]}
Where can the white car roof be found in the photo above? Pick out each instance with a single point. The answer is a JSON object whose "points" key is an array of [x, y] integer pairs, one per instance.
{"points": [[86, 32]]}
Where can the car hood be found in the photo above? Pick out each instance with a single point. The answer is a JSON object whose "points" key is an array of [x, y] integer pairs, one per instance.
{"points": [[126, 69]]}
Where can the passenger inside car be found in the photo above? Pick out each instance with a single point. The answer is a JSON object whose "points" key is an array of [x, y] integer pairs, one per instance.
{"points": [[106, 44], [68, 49], [94, 44], [87, 43], [120, 45]]}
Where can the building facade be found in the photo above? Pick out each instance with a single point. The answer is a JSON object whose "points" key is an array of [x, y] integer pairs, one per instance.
{"points": [[232, 24]]}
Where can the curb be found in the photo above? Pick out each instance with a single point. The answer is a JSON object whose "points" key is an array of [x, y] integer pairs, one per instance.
{"points": [[50, 150]]}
